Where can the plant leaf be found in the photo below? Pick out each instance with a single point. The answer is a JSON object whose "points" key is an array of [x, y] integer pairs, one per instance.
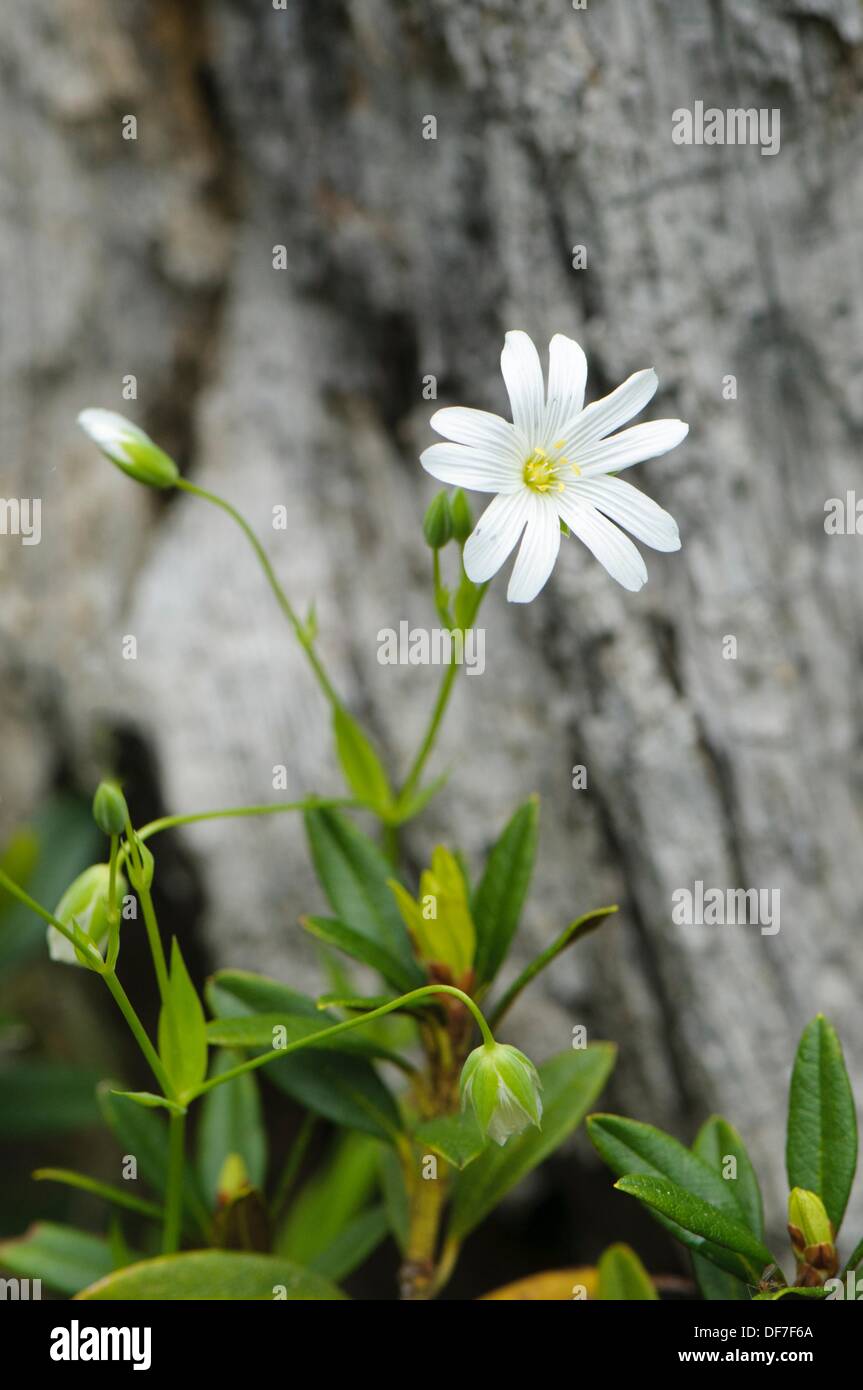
{"points": [[571, 1082], [551, 1286], [63, 1258], [353, 873], [582, 926], [143, 1134], [502, 889], [115, 1195], [257, 1030], [715, 1143], [150, 1101], [214, 1275], [182, 1028], [711, 1227], [623, 1278], [231, 1123], [41, 1097], [362, 948], [330, 1200], [354, 1243], [457, 1138], [821, 1150], [344, 1088], [362, 768]]}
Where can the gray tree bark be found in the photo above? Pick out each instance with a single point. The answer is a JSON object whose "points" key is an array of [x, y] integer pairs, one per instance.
{"points": [[407, 257]]}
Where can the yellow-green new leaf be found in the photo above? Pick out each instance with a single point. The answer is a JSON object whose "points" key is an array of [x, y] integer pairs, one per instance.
{"points": [[623, 1278]]}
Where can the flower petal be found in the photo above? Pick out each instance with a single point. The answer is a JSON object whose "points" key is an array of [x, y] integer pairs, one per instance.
{"points": [[631, 446], [537, 553], [640, 515], [567, 377], [603, 416], [606, 543], [478, 428], [522, 374], [479, 469], [495, 535]]}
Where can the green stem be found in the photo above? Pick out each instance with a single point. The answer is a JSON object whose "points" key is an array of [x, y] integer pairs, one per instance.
{"points": [[292, 1166], [108, 1193], [577, 929], [12, 887], [284, 602], [174, 1191], [157, 950], [312, 803], [444, 692], [343, 1027], [124, 1004]]}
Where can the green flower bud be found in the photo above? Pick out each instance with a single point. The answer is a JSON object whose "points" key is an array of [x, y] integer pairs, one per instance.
{"points": [[110, 811], [129, 448], [84, 905], [462, 521], [503, 1087], [437, 526], [812, 1236]]}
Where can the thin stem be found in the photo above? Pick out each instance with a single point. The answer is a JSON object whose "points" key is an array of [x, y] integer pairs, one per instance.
{"points": [[12, 887], [284, 602], [115, 1195], [292, 1166], [157, 950], [125, 1006], [582, 926], [444, 692], [174, 1191], [313, 803], [343, 1027], [112, 912]]}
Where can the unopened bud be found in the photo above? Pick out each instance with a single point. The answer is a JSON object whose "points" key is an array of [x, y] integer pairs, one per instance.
{"points": [[84, 906], [110, 811], [437, 526], [129, 448], [462, 521]]}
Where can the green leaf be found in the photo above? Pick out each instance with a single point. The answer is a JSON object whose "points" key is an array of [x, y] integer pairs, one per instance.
{"points": [[231, 1123], [258, 1030], [396, 1201], [407, 808], [150, 1101], [362, 768], [108, 1193], [214, 1275], [63, 1258], [457, 1138], [821, 1150], [710, 1227], [330, 1200], [623, 1278], [502, 890], [41, 1097], [353, 943], [182, 1029], [628, 1146], [571, 1083], [354, 873], [582, 926], [143, 1134], [353, 1244], [716, 1142], [344, 1088], [773, 1295]]}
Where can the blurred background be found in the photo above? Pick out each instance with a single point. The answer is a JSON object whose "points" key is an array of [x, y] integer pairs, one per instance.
{"points": [[138, 275]]}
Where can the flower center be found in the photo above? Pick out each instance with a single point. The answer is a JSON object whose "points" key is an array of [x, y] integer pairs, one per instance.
{"points": [[542, 471]]}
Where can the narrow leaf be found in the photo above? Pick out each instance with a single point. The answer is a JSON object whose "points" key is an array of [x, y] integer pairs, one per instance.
{"points": [[182, 1028], [115, 1195], [502, 890], [623, 1278], [821, 1150], [362, 768], [231, 1123], [63, 1258], [710, 1226]]}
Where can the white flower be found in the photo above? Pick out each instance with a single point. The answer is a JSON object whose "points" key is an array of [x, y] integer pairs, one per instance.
{"points": [[553, 465]]}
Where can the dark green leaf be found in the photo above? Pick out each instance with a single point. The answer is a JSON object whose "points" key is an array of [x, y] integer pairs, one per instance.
{"points": [[571, 1083], [502, 890], [330, 1200], [821, 1150], [354, 873], [353, 1244], [260, 1030], [231, 1123], [457, 1138], [711, 1228], [143, 1135], [716, 1142], [212, 1275], [362, 948], [63, 1258], [39, 1098]]}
